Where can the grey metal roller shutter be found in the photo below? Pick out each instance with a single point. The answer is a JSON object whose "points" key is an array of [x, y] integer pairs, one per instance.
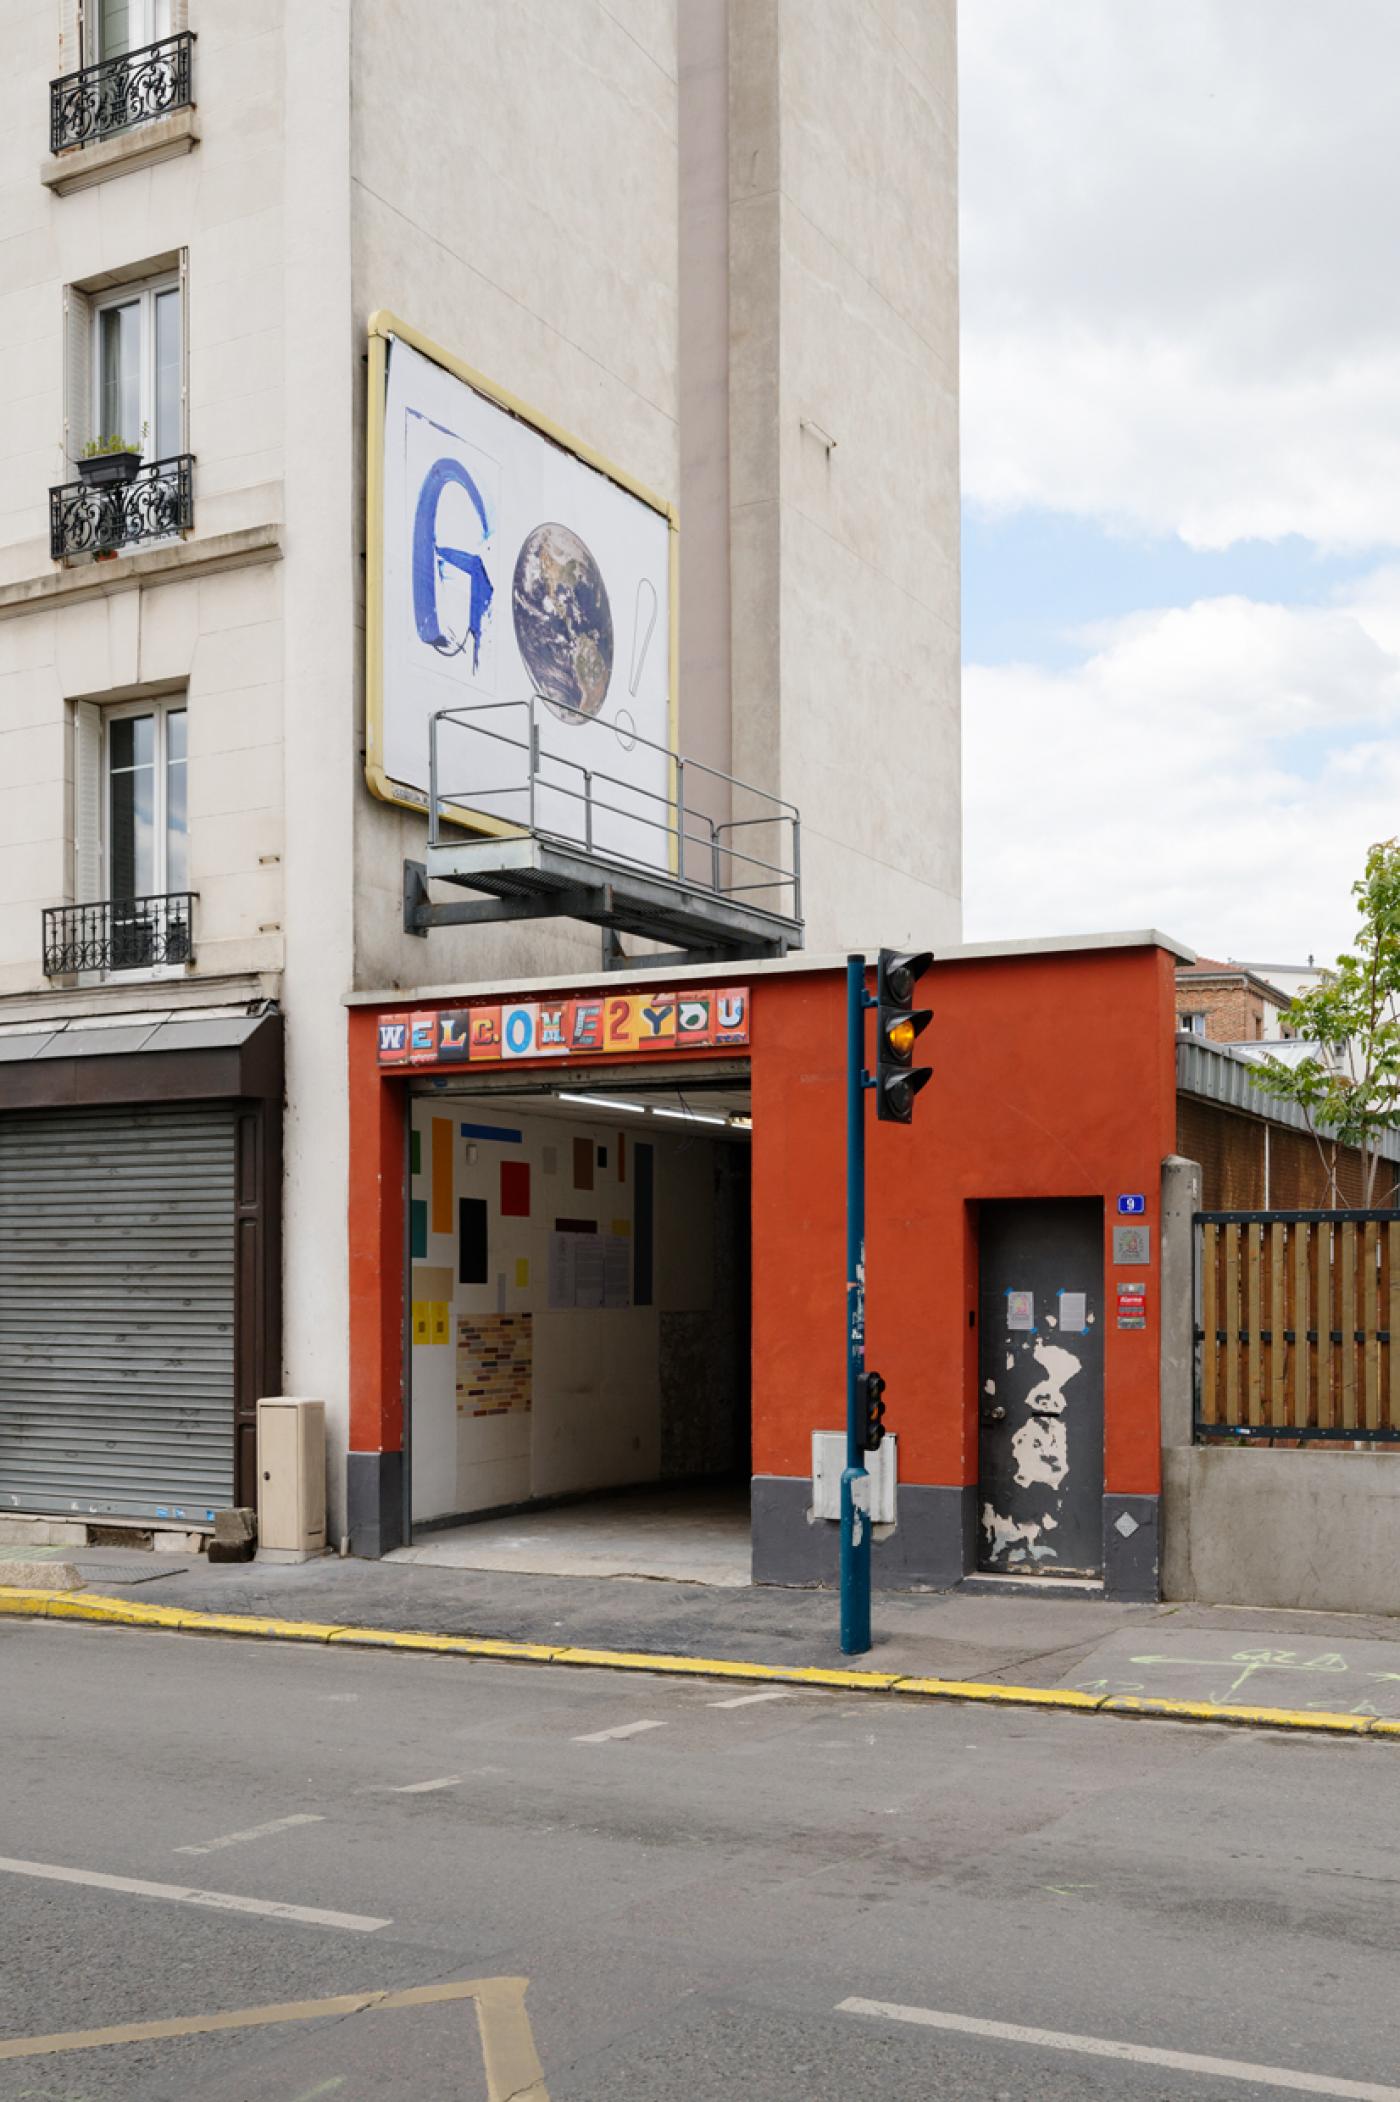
{"points": [[117, 1311]]}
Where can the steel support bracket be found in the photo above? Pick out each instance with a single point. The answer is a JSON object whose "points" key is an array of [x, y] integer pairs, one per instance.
{"points": [[416, 908]]}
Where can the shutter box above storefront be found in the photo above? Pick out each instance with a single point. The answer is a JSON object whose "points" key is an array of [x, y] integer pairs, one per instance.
{"points": [[90, 1060]]}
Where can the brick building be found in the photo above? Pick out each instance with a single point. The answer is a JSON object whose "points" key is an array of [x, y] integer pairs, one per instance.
{"points": [[1255, 1150], [1226, 1003]]}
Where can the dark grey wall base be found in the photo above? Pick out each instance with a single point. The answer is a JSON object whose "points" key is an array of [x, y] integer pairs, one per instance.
{"points": [[931, 1548], [374, 1502], [1131, 1556]]}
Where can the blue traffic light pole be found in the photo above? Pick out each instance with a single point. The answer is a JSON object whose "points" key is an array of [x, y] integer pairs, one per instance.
{"points": [[855, 1482]]}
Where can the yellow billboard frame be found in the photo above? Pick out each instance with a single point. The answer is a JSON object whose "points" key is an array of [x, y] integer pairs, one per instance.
{"points": [[385, 328]]}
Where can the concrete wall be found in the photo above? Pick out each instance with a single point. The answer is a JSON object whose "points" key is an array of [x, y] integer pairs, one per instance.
{"points": [[1319, 1531], [515, 197], [843, 379], [1244, 1525], [322, 659], [600, 1374]]}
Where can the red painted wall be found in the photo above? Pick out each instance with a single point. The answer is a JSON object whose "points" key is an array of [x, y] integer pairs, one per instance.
{"points": [[1054, 1076], [375, 1224]]}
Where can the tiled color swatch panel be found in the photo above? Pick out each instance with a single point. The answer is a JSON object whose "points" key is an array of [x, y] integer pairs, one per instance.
{"points": [[494, 1364]]}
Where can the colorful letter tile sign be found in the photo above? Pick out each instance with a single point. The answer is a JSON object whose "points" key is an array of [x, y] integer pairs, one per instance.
{"points": [[635, 1023]]}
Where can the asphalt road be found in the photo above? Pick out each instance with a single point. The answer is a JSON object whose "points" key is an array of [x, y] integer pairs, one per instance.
{"points": [[691, 1903]]}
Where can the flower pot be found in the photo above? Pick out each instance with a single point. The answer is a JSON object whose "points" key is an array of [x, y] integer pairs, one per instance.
{"points": [[107, 470]]}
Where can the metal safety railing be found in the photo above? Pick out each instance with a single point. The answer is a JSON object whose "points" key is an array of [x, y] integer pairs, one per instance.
{"points": [[119, 934], [131, 88], [87, 518], [579, 803], [1297, 1327]]}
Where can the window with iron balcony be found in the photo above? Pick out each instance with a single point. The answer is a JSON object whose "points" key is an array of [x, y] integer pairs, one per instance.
{"points": [[136, 67], [125, 423], [135, 910]]}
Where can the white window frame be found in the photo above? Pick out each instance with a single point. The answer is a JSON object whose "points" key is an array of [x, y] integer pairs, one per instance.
{"points": [[154, 19], [143, 294], [162, 709]]}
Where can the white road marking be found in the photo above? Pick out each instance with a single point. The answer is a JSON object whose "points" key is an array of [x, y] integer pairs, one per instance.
{"points": [[746, 1700], [219, 1900], [1134, 2054], [623, 1729], [427, 1787], [236, 1839]]}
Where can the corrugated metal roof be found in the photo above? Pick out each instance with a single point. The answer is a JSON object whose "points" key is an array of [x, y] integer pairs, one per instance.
{"points": [[1213, 1073]]}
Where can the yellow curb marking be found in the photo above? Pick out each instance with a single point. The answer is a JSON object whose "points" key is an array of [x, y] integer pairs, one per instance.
{"points": [[132, 1613], [513, 2070]]}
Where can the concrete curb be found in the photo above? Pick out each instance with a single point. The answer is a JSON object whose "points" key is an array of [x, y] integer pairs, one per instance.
{"points": [[131, 1613]]}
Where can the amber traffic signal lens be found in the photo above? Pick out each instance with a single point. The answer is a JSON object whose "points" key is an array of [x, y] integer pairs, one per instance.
{"points": [[900, 1037]]}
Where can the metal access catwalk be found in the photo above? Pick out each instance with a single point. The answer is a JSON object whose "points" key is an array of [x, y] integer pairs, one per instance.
{"points": [[705, 864]]}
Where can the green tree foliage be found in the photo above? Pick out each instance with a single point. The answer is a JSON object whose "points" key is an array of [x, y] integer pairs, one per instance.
{"points": [[1349, 1089]]}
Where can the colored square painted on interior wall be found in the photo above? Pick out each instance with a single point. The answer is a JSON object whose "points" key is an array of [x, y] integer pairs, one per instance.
{"points": [[515, 1189], [471, 1241], [522, 1272], [418, 1227], [583, 1164]]}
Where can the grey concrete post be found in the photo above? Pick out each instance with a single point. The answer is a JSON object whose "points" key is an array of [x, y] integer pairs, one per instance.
{"points": [[1181, 1196]]}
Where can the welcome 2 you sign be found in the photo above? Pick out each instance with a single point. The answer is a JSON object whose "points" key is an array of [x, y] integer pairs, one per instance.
{"points": [[606, 1023]]}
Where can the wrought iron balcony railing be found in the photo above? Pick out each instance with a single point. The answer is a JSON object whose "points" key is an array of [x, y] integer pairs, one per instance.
{"points": [[119, 92], [119, 934], [90, 518]]}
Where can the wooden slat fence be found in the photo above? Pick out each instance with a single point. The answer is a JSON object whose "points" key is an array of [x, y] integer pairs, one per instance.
{"points": [[1295, 1316]]}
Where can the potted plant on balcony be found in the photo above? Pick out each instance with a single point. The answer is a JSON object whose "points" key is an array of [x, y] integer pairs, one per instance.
{"points": [[108, 462]]}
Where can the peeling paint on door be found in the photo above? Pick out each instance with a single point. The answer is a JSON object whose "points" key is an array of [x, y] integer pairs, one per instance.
{"points": [[1021, 1538], [1040, 1449], [1059, 1366]]}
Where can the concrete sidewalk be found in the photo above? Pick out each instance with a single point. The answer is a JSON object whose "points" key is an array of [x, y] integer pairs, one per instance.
{"points": [[1216, 1655]]}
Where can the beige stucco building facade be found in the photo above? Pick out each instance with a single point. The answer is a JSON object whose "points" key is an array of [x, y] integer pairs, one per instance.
{"points": [[716, 241]]}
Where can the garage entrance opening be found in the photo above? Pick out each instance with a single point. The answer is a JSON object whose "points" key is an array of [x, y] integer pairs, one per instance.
{"points": [[578, 1295]]}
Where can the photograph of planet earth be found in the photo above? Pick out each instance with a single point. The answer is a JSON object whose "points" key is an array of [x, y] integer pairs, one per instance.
{"points": [[563, 621]]}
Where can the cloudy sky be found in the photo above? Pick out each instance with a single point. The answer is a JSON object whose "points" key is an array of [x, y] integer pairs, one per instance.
{"points": [[1181, 465]]}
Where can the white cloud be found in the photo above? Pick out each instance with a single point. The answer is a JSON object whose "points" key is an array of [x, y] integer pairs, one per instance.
{"points": [[1180, 306], [1217, 770]]}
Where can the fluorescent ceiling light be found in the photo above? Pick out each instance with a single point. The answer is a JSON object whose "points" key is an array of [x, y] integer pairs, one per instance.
{"points": [[689, 1116], [638, 1109]]}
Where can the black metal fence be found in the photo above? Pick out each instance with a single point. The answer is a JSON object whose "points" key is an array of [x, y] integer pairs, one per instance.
{"points": [[118, 92], [86, 518], [119, 934]]}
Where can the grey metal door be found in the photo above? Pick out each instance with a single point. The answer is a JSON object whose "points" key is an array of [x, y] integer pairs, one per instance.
{"points": [[117, 1311], [1040, 1387]]}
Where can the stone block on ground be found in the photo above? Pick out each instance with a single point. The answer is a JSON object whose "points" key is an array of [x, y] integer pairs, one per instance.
{"points": [[39, 1576]]}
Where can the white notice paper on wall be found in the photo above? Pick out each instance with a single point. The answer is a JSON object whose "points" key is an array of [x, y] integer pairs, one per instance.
{"points": [[561, 1270], [1020, 1310], [589, 1271], [1074, 1313], [617, 1271]]}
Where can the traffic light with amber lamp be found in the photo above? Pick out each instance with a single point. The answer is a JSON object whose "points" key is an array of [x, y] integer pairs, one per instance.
{"points": [[898, 1023], [872, 1394]]}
